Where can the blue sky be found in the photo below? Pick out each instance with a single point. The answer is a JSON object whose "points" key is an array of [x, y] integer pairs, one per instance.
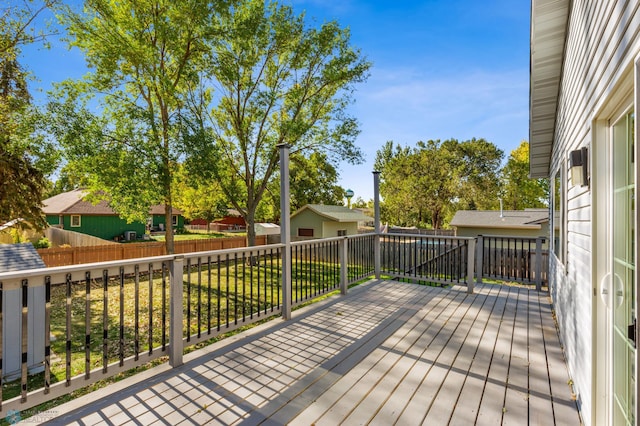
{"points": [[441, 69]]}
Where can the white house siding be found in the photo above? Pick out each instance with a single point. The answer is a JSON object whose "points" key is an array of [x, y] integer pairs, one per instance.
{"points": [[602, 42]]}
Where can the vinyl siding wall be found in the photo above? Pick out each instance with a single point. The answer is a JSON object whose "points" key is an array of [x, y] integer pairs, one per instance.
{"points": [[602, 42], [322, 227], [105, 227]]}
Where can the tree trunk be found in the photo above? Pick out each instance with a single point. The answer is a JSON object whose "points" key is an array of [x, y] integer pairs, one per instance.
{"points": [[251, 229], [168, 228]]}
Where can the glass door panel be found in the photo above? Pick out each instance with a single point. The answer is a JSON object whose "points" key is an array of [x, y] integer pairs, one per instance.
{"points": [[623, 272]]}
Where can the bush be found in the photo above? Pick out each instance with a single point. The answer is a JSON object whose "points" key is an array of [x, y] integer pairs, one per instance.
{"points": [[42, 243]]}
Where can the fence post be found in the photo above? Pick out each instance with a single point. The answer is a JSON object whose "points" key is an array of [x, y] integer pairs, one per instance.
{"points": [[285, 233], [479, 258], [471, 257], [344, 265], [376, 223], [539, 263], [175, 312]]}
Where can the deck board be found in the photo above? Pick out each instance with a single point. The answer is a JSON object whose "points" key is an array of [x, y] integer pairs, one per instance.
{"points": [[387, 353]]}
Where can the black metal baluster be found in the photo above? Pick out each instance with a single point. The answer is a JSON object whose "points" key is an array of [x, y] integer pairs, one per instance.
{"points": [[136, 325], [243, 282], [209, 295], [271, 275], [121, 341], [235, 288], [164, 306], [199, 307], [219, 294], [259, 311], [150, 337], [277, 277], [87, 325], [47, 336], [188, 300], [227, 286], [253, 262], [25, 339], [105, 319]]}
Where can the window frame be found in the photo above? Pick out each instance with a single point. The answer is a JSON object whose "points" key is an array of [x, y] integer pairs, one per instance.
{"points": [[71, 221], [302, 232]]}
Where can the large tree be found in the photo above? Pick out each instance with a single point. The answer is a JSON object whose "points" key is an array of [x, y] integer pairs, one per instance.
{"points": [[144, 56], [277, 82], [519, 191], [426, 184], [25, 158]]}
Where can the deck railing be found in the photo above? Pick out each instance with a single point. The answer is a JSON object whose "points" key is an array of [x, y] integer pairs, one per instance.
{"points": [[514, 259], [434, 259], [97, 320], [104, 318]]}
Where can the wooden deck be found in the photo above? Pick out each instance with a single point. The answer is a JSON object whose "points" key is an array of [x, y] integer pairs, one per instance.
{"points": [[388, 353]]}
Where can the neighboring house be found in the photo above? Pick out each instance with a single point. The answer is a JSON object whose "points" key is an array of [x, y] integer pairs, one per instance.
{"points": [[21, 257], [69, 211], [515, 223], [584, 89], [233, 221], [323, 221]]}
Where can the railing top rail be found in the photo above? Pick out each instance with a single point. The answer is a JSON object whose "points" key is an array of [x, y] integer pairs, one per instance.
{"points": [[422, 236], [330, 239], [515, 237], [6, 277]]}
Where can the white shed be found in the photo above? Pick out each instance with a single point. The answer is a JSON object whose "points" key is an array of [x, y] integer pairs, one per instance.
{"points": [[267, 229]]}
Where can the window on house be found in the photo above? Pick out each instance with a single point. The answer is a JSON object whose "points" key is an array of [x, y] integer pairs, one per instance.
{"points": [[305, 232], [174, 220], [558, 217], [75, 220], [342, 232]]}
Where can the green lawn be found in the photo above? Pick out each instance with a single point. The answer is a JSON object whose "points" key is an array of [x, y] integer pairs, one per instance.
{"points": [[215, 296]]}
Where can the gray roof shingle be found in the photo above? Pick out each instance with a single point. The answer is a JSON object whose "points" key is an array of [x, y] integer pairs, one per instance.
{"points": [[516, 219], [18, 257], [337, 213], [72, 202]]}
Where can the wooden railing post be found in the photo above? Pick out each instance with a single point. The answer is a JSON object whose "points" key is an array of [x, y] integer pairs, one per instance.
{"points": [[479, 258], [471, 254], [376, 223], [285, 233], [539, 263], [175, 311], [344, 265]]}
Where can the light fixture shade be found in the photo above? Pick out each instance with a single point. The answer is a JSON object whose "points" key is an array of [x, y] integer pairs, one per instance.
{"points": [[578, 162]]}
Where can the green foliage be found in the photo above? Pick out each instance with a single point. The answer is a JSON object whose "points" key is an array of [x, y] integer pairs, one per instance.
{"points": [[518, 190], [426, 184], [277, 81], [312, 180], [144, 57], [42, 243], [25, 155], [200, 198]]}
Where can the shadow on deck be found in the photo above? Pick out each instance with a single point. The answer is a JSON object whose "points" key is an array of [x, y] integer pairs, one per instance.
{"points": [[387, 353]]}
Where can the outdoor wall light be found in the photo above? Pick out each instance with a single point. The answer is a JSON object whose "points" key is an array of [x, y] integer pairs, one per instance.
{"points": [[578, 163]]}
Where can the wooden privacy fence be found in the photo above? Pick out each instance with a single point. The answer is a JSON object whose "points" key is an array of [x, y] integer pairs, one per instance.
{"points": [[63, 256]]}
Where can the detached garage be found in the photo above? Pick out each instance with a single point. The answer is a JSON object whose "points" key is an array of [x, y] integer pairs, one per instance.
{"points": [[324, 221]]}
